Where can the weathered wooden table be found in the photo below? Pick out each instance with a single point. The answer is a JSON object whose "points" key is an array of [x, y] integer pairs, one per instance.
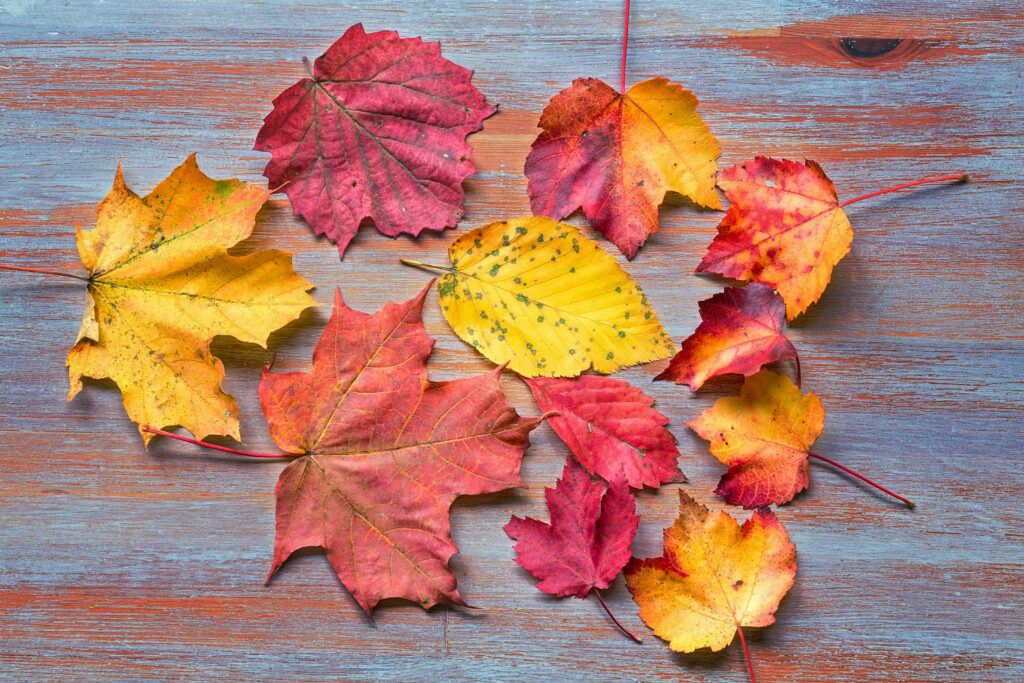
{"points": [[121, 563]]}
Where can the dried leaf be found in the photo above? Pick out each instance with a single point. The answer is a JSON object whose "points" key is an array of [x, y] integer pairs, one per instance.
{"points": [[538, 295], [617, 155], [384, 452], [714, 578], [764, 436], [785, 229], [162, 286], [611, 427], [588, 540], [740, 330], [379, 131]]}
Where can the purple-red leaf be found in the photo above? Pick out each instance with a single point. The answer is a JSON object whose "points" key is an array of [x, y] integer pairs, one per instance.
{"points": [[588, 541], [740, 331], [611, 427], [379, 131], [384, 452]]}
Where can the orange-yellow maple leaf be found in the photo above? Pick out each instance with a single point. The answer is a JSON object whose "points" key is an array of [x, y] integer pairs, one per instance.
{"points": [[714, 577], [616, 155], [785, 229], [764, 435]]}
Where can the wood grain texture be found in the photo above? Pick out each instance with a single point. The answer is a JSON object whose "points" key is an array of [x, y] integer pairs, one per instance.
{"points": [[117, 563]]}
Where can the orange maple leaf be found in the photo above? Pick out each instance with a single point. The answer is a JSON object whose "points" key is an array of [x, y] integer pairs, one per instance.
{"points": [[785, 229], [764, 435]]}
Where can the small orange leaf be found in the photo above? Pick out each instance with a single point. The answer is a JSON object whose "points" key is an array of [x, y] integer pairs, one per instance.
{"points": [[784, 229], [714, 577], [764, 435]]}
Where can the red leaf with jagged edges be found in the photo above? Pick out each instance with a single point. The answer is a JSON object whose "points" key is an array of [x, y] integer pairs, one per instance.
{"points": [[379, 131], [740, 331], [588, 541], [611, 427], [384, 452]]}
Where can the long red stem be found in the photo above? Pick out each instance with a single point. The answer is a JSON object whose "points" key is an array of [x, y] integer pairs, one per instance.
{"points": [[625, 42], [44, 272], [909, 503], [960, 177], [797, 359], [154, 430], [750, 667], [621, 627]]}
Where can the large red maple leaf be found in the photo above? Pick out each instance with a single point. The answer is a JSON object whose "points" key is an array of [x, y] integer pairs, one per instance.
{"points": [[384, 452], [379, 131]]}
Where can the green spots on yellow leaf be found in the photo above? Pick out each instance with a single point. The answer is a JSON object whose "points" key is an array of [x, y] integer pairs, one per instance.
{"points": [[551, 266]]}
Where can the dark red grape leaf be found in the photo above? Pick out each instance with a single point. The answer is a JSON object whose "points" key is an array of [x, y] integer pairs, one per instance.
{"points": [[379, 131]]}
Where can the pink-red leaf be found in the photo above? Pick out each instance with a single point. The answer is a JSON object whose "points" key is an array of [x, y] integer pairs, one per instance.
{"points": [[611, 427], [379, 131], [740, 331], [384, 453], [588, 541]]}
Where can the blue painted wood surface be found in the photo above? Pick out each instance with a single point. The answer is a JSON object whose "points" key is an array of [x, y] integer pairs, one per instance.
{"points": [[116, 563]]}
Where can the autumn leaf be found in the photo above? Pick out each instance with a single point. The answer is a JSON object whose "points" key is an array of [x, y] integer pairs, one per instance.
{"points": [[588, 540], [383, 452], [611, 427], [740, 330], [764, 436], [714, 578], [784, 229], [617, 155], [379, 131], [161, 286], [538, 295]]}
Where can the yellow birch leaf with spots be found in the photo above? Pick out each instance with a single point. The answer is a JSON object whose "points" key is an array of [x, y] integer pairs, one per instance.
{"points": [[538, 295], [161, 286]]}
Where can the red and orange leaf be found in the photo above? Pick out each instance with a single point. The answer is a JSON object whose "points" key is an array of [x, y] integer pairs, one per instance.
{"points": [[740, 330], [784, 229], [714, 578], [617, 155], [379, 131], [764, 436], [611, 427], [588, 540], [384, 452]]}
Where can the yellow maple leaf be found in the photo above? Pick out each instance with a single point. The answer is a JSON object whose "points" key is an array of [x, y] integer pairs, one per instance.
{"points": [[162, 285], [538, 295], [714, 578]]}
